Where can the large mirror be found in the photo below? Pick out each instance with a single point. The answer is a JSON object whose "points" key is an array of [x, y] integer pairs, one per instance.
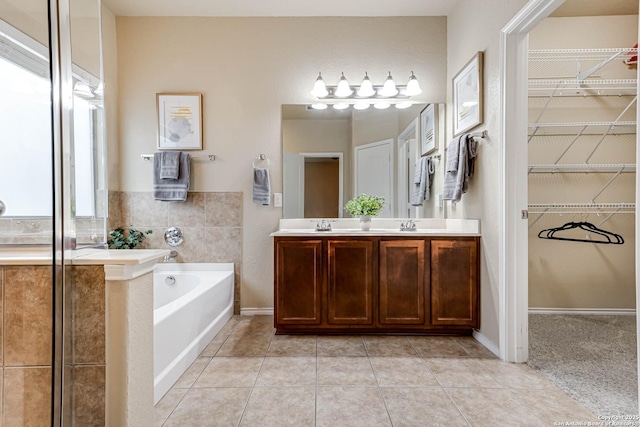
{"points": [[330, 155]]}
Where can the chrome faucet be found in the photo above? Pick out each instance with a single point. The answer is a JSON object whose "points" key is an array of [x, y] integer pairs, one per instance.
{"points": [[323, 225], [170, 255], [410, 225]]}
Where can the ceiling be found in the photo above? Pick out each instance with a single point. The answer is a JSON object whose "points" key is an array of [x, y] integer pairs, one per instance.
{"points": [[280, 7]]}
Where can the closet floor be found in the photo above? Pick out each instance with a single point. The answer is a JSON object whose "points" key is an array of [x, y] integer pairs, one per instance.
{"points": [[248, 376], [592, 358]]}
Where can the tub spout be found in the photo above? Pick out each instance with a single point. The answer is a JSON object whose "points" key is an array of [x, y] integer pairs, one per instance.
{"points": [[172, 254]]}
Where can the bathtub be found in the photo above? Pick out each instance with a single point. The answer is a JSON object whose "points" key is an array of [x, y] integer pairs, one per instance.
{"points": [[186, 316]]}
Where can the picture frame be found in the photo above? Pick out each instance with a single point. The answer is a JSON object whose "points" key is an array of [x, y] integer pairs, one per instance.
{"points": [[468, 95], [179, 121], [428, 130]]}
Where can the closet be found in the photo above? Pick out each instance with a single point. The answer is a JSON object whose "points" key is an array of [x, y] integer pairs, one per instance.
{"points": [[581, 191]]}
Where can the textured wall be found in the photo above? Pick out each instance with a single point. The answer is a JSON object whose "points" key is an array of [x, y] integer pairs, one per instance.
{"points": [[246, 69]]}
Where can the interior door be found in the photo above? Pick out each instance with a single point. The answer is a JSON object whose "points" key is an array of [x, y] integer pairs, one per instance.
{"points": [[293, 185], [373, 173]]}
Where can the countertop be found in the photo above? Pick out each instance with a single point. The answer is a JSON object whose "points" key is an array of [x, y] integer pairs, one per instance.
{"points": [[43, 256], [379, 227]]}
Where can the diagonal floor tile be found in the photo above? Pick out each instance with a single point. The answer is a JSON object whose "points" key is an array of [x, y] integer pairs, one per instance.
{"points": [[230, 372], [474, 348], [287, 371], [421, 407], [292, 345], [341, 346], [388, 346], [280, 407], [551, 405], [402, 371], [460, 372], [514, 375], [192, 373], [166, 405], [437, 347], [345, 370], [245, 345], [350, 406], [210, 407]]}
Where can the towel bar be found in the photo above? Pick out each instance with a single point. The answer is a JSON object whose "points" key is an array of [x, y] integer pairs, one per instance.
{"points": [[210, 157]]}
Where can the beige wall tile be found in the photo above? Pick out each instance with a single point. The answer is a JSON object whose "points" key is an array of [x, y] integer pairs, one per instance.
{"points": [[190, 213], [89, 315], [27, 316], [145, 211], [224, 245], [223, 209], [89, 384], [27, 397]]}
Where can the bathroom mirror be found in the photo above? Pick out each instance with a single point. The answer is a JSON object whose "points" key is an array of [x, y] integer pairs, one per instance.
{"points": [[331, 155]]}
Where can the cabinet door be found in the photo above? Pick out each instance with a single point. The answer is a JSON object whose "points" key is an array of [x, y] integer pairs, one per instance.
{"points": [[402, 282], [298, 281], [454, 282], [350, 284]]}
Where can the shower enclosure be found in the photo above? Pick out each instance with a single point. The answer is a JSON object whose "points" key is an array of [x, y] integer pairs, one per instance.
{"points": [[53, 199]]}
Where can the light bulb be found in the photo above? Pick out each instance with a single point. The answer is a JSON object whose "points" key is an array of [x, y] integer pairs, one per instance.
{"points": [[389, 87], [340, 106], [343, 89], [381, 105], [319, 106], [361, 105], [403, 105], [366, 88], [413, 87], [319, 88]]}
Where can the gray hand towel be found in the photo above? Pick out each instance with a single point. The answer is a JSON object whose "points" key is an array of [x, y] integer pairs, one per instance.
{"points": [[261, 186], [169, 164], [454, 177], [168, 189], [425, 167]]}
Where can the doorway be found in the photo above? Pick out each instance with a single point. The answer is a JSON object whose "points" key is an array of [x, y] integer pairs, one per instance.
{"points": [[373, 172]]}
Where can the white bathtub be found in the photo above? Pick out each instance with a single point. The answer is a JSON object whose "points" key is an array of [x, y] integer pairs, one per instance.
{"points": [[186, 316]]}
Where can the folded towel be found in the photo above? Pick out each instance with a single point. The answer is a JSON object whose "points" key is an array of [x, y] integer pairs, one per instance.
{"points": [[425, 167], [261, 186], [169, 164], [168, 189], [453, 154]]}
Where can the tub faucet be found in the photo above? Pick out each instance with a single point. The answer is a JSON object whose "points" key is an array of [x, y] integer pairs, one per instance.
{"points": [[173, 254]]}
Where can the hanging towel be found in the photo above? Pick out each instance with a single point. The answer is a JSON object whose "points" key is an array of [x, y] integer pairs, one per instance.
{"points": [[261, 186], [425, 167], [169, 164], [462, 151], [167, 189]]}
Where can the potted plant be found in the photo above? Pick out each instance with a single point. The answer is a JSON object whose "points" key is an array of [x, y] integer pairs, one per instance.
{"points": [[365, 206], [118, 239]]}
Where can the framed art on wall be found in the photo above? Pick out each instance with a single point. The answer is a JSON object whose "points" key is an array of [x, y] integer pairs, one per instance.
{"points": [[427, 130], [179, 121], [467, 96]]}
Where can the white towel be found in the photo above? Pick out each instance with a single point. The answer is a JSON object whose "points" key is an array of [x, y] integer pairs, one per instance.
{"points": [[261, 186]]}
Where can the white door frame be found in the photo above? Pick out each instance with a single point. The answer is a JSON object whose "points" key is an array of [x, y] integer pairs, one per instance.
{"points": [[392, 189], [339, 155], [513, 243], [409, 133]]}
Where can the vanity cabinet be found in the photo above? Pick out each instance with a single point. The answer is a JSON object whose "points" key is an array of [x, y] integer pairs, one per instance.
{"points": [[412, 284]]}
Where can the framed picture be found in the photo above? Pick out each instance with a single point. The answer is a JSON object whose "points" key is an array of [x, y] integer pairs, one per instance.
{"points": [[179, 121], [427, 130], [467, 96]]}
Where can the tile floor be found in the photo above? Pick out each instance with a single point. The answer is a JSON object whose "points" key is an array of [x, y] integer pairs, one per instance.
{"points": [[248, 376]]}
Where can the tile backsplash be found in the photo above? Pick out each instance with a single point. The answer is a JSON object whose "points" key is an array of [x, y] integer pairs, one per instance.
{"points": [[210, 221]]}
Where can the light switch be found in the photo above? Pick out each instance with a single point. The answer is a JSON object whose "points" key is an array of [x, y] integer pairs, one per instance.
{"points": [[277, 200]]}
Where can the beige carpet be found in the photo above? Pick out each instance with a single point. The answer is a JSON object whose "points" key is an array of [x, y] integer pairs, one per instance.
{"points": [[592, 358]]}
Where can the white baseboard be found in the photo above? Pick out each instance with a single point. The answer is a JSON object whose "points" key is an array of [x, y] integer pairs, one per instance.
{"points": [[256, 311], [487, 343], [600, 311]]}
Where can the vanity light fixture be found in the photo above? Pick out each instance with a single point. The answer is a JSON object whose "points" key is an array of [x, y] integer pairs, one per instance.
{"points": [[361, 105], [403, 105], [340, 106], [319, 106], [413, 87], [381, 105], [319, 88], [343, 90], [389, 88], [366, 87]]}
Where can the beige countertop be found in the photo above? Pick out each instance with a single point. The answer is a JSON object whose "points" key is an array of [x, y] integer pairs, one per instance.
{"points": [[43, 255]]}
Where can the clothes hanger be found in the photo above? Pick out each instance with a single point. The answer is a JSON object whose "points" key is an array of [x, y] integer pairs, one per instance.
{"points": [[608, 237]]}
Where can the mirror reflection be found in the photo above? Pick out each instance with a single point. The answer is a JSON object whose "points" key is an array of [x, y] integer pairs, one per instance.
{"points": [[330, 156]]}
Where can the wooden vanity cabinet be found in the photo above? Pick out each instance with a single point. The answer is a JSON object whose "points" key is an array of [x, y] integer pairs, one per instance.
{"points": [[393, 284]]}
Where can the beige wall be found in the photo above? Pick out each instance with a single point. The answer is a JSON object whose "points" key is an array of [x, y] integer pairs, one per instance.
{"points": [[246, 69], [570, 274], [110, 70], [475, 26]]}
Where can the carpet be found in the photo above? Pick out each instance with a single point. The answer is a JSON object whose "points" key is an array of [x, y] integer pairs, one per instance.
{"points": [[592, 358]]}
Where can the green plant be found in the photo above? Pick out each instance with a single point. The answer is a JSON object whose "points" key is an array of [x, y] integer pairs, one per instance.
{"points": [[118, 239], [365, 205]]}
